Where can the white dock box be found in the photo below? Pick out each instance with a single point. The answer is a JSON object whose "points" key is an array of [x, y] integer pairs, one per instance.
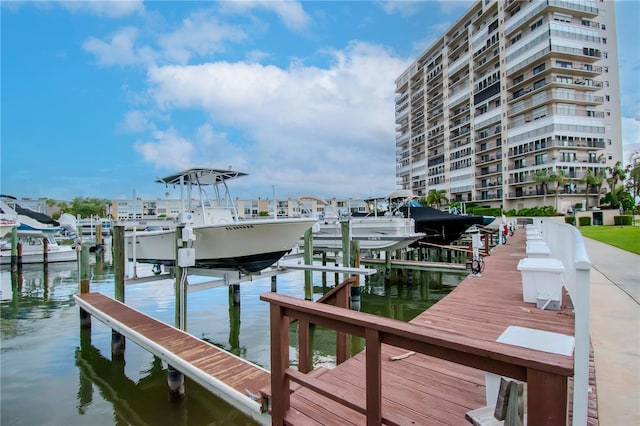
{"points": [[540, 275], [538, 248], [531, 338]]}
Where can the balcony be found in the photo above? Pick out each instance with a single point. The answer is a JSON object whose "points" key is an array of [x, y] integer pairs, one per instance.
{"points": [[554, 95]]}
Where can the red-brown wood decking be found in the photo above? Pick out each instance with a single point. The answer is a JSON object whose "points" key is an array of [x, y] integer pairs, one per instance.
{"points": [[424, 390], [232, 371]]}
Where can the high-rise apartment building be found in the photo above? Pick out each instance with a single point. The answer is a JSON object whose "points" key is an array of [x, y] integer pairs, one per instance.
{"points": [[513, 89]]}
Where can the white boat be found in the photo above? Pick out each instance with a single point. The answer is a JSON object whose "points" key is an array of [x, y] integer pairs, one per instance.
{"points": [[29, 222], [222, 241], [375, 232], [33, 250], [8, 221]]}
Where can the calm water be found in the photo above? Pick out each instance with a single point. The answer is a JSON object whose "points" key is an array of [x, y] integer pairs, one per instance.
{"points": [[52, 374]]}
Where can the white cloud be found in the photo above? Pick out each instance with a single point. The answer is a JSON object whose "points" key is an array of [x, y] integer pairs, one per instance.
{"points": [[402, 8], [136, 121], [306, 127], [290, 13], [200, 34], [109, 9], [120, 49], [167, 149]]}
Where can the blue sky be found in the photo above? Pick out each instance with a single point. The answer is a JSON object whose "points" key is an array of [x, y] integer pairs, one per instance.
{"points": [[100, 98]]}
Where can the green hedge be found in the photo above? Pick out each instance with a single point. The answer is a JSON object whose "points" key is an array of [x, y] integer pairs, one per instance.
{"points": [[570, 219], [528, 211], [623, 220], [584, 221]]}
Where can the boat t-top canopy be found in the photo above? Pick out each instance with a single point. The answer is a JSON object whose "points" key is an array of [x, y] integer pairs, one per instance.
{"points": [[200, 176]]}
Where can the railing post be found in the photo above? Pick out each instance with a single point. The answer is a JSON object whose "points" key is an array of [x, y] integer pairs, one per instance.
{"points": [[342, 339], [373, 377], [280, 401], [583, 344], [546, 398], [304, 347]]}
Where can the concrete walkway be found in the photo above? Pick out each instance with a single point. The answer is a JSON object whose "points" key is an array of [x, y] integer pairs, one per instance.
{"points": [[615, 332]]}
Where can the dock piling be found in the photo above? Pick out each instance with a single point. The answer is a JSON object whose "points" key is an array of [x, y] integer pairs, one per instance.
{"points": [[355, 286], [175, 380], [14, 249], [308, 260], [85, 318], [118, 342], [45, 250]]}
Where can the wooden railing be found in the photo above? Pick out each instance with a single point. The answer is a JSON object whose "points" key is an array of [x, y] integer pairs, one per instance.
{"points": [[545, 373], [337, 296]]}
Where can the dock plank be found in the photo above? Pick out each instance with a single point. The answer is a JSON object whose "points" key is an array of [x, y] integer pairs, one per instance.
{"points": [[206, 361], [420, 389]]}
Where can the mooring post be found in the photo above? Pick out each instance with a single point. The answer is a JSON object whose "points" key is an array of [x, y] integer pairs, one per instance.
{"points": [[118, 342], [234, 293], [14, 248], [45, 250], [324, 274], [118, 262], [85, 318], [175, 379], [355, 286], [274, 283], [234, 325], [19, 255], [346, 245], [180, 281], [98, 236], [387, 265], [308, 260]]}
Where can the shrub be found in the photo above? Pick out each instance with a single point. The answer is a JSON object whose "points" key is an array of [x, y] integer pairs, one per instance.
{"points": [[578, 205], [622, 220], [570, 219], [584, 221]]}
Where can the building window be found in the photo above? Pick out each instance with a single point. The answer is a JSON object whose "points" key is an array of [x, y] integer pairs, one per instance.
{"points": [[603, 26], [536, 24], [538, 69], [538, 84], [608, 98], [604, 40]]}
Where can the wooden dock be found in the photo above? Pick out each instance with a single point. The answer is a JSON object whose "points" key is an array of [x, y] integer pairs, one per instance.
{"points": [[229, 377], [444, 354]]}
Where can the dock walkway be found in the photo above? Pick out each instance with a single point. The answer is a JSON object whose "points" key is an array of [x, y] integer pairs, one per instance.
{"points": [[231, 378], [430, 390]]}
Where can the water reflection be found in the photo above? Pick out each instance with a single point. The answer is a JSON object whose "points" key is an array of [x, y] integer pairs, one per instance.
{"points": [[145, 401], [43, 360]]}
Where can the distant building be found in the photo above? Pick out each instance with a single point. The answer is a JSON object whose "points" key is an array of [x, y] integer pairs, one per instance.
{"points": [[128, 209], [512, 89]]}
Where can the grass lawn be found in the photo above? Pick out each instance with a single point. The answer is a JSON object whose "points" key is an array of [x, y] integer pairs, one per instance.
{"points": [[626, 238]]}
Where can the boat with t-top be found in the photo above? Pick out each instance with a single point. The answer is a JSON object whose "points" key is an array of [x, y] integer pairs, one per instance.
{"points": [[222, 240]]}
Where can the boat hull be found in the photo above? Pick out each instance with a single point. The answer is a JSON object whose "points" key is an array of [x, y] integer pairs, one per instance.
{"points": [[440, 227], [247, 246], [372, 233], [60, 254]]}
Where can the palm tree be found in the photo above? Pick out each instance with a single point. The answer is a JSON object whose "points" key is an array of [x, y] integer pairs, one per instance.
{"points": [[591, 180], [543, 178], [436, 197], [560, 178], [617, 174], [633, 184]]}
